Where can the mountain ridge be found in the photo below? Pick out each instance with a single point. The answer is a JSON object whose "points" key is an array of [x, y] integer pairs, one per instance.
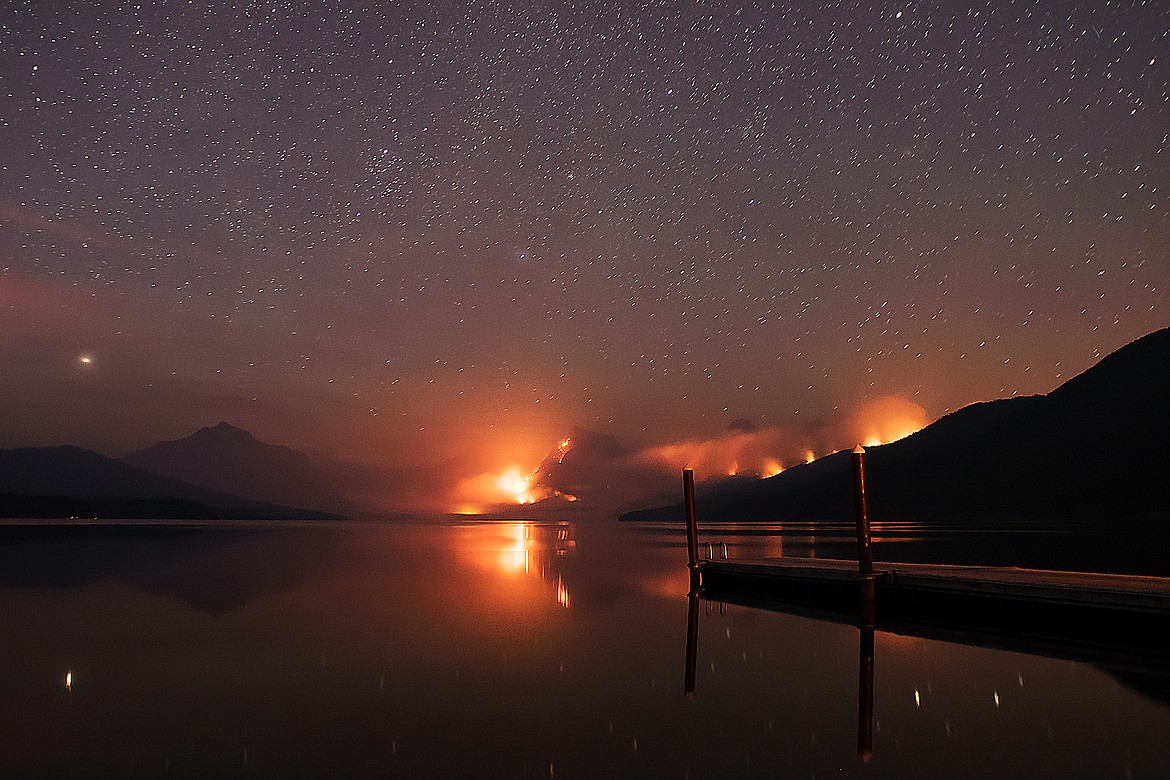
{"points": [[69, 481], [230, 459], [1095, 444]]}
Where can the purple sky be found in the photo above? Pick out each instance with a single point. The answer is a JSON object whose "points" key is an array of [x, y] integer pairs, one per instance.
{"points": [[454, 231]]}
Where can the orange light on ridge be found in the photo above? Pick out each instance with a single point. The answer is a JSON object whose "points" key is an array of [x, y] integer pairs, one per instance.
{"points": [[515, 485]]}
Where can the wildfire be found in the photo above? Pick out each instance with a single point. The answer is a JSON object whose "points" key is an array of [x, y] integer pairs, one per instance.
{"points": [[888, 419], [514, 485], [518, 486]]}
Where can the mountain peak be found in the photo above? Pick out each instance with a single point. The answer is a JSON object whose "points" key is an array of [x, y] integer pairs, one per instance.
{"points": [[230, 459], [225, 429]]}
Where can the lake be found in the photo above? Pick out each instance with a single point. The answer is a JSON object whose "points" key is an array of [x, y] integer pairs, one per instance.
{"points": [[504, 649]]}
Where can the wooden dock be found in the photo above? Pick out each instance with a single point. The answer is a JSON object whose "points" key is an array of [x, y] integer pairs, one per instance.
{"points": [[1105, 618], [1130, 593], [1117, 621], [1092, 611]]}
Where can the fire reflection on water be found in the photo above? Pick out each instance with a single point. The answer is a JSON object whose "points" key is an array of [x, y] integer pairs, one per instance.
{"points": [[533, 549]]}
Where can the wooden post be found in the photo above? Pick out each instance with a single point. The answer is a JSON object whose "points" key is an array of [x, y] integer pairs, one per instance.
{"points": [[692, 530], [861, 509]]}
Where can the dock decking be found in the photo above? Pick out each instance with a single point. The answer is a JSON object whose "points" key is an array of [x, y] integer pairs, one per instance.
{"points": [[1065, 588], [1109, 618]]}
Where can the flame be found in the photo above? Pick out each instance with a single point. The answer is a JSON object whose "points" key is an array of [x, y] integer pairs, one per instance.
{"points": [[771, 468], [763, 451], [513, 485], [888, 419], [738, 453], [516, 485]]}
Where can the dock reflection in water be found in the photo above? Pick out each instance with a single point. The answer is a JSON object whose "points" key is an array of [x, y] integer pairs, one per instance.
{"points": [[1143, 665], [865, 666]]}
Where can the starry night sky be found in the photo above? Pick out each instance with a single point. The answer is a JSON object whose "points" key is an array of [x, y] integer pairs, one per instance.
{"points": [[412, 232]]}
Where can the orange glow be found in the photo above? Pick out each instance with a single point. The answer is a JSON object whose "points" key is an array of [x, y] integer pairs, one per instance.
{"points": [[734, 454], [888, 419], [513, 485], [534, 550], [514, 556], [670, 583], [809, 456], [562, 594]]}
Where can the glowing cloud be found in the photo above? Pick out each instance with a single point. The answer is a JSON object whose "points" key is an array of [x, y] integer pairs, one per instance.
{"points": [[512, 486], [737, 453], [887, 419]]}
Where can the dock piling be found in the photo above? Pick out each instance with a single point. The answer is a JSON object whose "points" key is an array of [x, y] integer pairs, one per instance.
{"points": [[861, 508], [692, 530]]}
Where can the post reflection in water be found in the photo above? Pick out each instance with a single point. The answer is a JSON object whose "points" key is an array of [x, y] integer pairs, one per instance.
{"points": [[867, 621], [865, 693], [692, 643], [865, 668]]}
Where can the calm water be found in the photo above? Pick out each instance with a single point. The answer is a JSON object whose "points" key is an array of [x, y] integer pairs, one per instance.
{"points": [[499, 650]]}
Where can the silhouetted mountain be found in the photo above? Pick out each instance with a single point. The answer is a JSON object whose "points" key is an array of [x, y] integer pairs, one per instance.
{"points": [[74, 482], [1097, 445], [597, 469], [232, 460]]}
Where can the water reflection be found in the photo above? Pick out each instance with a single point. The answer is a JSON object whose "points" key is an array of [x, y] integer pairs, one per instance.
{"points": [[1141, 662], [865, 658], [423, 650], [1117, 545], [865, 671], [537, 550]]}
